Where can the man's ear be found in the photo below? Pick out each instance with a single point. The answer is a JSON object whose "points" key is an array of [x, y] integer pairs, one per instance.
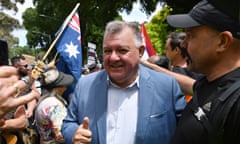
{"points": [[141, 50], [225, 40], [178, 50]]}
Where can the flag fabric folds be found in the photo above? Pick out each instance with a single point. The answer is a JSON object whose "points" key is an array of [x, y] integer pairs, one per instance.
{"points": [[149, 50], [70, 49]]}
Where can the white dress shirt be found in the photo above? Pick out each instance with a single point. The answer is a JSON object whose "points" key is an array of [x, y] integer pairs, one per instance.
{"points": [[122, 112]]}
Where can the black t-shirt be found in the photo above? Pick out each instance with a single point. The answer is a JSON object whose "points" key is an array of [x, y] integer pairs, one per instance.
{"points": [[186, 72], [192, 131]]}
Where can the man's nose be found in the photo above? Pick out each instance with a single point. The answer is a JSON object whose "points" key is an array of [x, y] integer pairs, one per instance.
{"points": [[114, 55]]}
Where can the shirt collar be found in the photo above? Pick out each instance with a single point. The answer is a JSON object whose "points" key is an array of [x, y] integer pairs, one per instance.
{"points": [[133, 84]]}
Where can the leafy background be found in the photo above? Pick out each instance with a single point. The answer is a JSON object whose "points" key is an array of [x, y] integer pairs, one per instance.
{"points": [[42, 21]]}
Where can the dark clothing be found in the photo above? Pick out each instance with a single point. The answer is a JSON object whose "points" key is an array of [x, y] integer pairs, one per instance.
{"points": [[190, 130], [186, 72], [163, 62]]}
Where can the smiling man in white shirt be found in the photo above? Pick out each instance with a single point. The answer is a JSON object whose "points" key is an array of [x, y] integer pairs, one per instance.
{"points": [[125, 102]]}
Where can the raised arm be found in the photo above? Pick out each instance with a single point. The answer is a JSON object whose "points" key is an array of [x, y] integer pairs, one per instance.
{"points": [[185, 82]]}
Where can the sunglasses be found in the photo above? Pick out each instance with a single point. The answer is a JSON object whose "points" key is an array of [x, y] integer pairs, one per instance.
{"points": [[26, 65]]}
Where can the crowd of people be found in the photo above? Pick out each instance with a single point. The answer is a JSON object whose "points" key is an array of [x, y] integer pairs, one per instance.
{"points": [[38, 120], [135, 101]]}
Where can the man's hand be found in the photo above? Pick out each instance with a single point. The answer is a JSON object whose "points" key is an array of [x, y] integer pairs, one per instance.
{"points": [[83, 135]]}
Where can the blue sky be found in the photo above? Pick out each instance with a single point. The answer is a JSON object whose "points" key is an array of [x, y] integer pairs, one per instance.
{"points": [[135, 15]]}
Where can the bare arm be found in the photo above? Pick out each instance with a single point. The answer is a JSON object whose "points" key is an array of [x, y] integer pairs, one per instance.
{"points": [[30, 108], [10, 86], [16, 123], [185, 82]]}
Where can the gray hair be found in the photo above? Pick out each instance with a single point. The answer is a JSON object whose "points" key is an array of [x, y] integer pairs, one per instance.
{"points": [[116, 26]]}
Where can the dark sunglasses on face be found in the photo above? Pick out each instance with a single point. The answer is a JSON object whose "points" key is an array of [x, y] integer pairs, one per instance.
{"points": [[26, 65]]}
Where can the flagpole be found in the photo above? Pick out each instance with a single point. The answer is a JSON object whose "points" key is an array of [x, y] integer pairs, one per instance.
{"points": [[62, 30], [41, 66]]}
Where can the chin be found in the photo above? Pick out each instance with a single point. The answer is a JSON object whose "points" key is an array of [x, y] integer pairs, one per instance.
{"points": [[116, 76]]}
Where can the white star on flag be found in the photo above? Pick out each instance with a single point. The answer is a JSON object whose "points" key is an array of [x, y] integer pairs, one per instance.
{"points": [[72, 50]]}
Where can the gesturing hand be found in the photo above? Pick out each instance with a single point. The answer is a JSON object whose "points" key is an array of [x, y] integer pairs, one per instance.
{"points": [[83, 135]]}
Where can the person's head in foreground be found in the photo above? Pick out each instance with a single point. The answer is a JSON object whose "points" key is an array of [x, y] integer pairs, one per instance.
{"points": [[213, 33], [122, 50]]}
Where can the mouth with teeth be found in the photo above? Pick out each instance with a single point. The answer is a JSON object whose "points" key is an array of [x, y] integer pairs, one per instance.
{"points": [[116, 66]]}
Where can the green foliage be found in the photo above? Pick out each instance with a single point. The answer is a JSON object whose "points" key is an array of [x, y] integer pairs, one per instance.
{"points": [[47, 17], [94, 14], [10, 4], [8, 23], [18, 50], [181, 6], [33, 24], [158, 29], [44, 20]]}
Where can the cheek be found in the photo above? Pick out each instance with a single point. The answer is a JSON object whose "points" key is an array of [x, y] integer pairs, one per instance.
{"points": [[193, 48], [133, 59], [105, 58], [169, 54], [200, 54], [196, 54]]}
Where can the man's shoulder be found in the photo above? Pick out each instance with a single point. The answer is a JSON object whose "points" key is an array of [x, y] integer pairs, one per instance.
{"points": [[93, 78], [94, 75], [155, 74]]}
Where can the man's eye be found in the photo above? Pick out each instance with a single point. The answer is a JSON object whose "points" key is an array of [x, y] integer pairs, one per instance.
{"points": [[107, 51], [122, 51]]}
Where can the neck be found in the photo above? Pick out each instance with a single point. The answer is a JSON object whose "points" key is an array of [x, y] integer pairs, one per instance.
{"points": [[180, 62], [223, 69]]}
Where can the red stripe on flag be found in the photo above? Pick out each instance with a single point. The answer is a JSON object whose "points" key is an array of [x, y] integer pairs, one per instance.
{"points": [[75, 22], [147, 41]]}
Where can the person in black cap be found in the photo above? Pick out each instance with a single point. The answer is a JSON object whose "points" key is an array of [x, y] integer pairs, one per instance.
{"points": [[213, 47]]}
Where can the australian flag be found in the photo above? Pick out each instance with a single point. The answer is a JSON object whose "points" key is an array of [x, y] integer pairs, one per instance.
{"points": [[70, 49]]}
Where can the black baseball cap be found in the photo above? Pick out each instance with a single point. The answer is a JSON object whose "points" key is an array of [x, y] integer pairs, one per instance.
{"points": [[213, 13]]}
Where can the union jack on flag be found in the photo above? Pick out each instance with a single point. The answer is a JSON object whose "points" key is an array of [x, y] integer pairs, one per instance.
{"points": [[70, 49]]}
